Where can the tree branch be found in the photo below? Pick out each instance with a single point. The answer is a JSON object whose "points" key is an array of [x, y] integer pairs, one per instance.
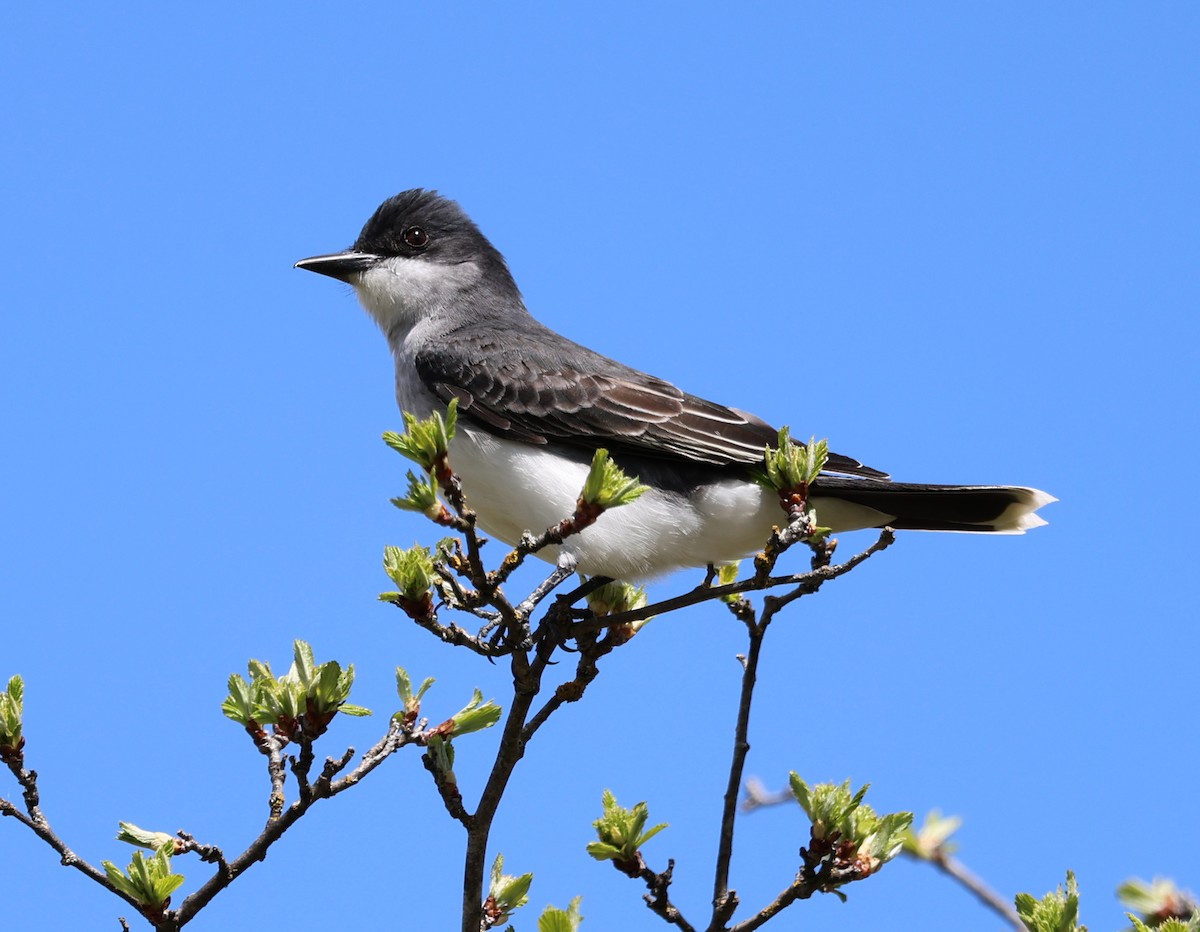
{"points": [[35, 820], [658, 899], [724, 900], [586, 670], [810, 581], [980, 890], [448, 791], [526, 684], [324, 787], [799, 890]]}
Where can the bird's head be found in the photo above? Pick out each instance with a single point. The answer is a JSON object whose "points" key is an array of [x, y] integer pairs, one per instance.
{"points": [[420, 257]]}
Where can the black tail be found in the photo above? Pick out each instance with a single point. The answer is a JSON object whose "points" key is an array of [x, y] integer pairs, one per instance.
{"points": [[997, 509]]}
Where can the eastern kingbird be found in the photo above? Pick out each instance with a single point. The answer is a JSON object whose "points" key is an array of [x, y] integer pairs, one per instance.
{"points": [[534, 406]]}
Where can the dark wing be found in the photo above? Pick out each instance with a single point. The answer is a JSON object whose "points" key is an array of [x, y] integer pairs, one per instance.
{"points": [[537, 386]]}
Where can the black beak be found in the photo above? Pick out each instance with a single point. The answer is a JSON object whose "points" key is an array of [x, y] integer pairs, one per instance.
{"points": [[340, 265]]}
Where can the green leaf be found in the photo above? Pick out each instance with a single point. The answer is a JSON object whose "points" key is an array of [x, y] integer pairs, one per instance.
{"points": [[411, 700], [616, 597], [426, 441], [833, 809], [12, 710], [328, 684], [132, 835], [301, 702], [792, 467], [607, 486], [239, 704], [411, 570], [867, 839], [440, 752], [620, 830], [561, 920], [885, 840], [148, 880], [932, 839], [602, 851], [303, 663], [1166, 925], [508, 892], [727, 573], [421, 496], [1157, 900], [1057, 911], [475, 716]]}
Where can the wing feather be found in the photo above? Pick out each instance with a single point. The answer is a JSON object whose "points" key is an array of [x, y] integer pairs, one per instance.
{"points": [[538, 387]]}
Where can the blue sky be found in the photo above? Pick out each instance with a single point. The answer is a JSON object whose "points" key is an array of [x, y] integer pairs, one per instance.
{"points": [[958, 240]]}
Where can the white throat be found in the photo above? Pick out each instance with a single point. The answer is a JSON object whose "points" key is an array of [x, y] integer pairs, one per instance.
{"points": [[400, 293]]}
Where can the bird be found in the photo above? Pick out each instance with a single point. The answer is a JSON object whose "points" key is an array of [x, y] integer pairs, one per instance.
{"points": [[534, 406]]}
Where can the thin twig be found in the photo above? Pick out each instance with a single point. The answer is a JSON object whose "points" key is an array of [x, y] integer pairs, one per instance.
{"points": [[448, 790], [658, 899], [799, 890], [557, 620], [758, 797], [324, 787], [724, 900], [512, 636], [461, 598], [35, 820], [210, 854], [584, 516], [459, 637], [526, 684], [813, 579], [980, 890], [572, 690], [827, 863], [562, 572], [452, 489], [301, 767]]}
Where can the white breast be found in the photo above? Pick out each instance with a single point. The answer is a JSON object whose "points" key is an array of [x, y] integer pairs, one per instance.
{"points": [[515, 487]]}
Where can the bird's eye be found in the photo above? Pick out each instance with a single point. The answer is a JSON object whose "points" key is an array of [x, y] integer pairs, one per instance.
{"points": [[416, 237]]}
